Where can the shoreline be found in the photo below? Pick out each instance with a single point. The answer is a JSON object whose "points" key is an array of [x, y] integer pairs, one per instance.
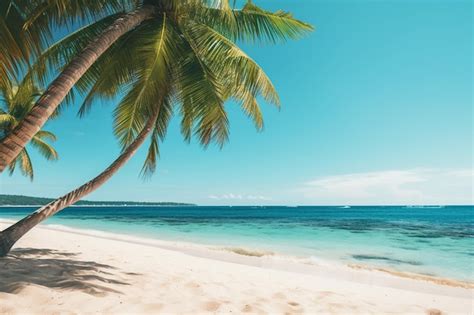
{"points": [[62, 269], [249, 256], [105, 205]]}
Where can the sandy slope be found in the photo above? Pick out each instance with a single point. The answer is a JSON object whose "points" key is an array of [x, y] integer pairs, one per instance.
{"points": [[68, 272]]}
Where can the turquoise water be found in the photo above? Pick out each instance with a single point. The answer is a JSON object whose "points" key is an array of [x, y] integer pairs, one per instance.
{"points": [[436, 241]]}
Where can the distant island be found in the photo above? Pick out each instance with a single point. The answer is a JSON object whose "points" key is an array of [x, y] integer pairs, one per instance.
{"points": [[18, 200]]}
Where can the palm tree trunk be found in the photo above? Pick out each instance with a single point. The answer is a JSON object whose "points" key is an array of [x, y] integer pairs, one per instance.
{"points": [[14, 142], [12, 234]]}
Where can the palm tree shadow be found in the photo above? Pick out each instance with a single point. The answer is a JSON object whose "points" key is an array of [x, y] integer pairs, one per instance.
{"points": [[25, 266]]}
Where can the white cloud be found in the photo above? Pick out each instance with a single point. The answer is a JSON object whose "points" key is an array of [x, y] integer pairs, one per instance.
{"points": [[414, 186]]}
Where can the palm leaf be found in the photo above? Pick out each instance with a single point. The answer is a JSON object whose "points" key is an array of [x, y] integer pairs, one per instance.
{"points": [[7, 121], [46, 150], [243, 79], [201, 95], [150, 85], [46, 135], [252, 23], [23, 161], [18, 101], [47, 15], [64, 50], [159, 133], [114, 70]]}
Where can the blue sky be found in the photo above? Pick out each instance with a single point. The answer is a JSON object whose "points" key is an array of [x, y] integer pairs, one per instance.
{"points": [[376, 109]]}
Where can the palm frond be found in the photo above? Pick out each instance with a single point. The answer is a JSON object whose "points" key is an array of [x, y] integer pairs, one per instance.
{"points": [[251, 108], [236, 68], [61, 53], [116, 68], [243, 79], [19, 101], [23, 162], [12, 165], [16, 46], [201, 95], [27, 26], [24, 97], [251, 23], [62, 12], [46, 135], [159, 133], [149, 87], [11, 54], [7, 121], [149, 165], [45, 149], [44, 16]]}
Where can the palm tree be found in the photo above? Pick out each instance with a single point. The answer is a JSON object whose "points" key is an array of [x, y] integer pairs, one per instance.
{"points": [[183, 61], [248, 23], [15, 102]]}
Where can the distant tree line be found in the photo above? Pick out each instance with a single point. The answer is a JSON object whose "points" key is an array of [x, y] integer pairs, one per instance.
{"points": [[18, 200]]}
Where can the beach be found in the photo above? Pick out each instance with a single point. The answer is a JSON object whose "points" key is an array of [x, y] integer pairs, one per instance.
{"points": [[335, 175], [56, 270]]}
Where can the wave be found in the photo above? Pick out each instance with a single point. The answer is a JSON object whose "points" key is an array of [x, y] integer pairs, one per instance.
{"points": [[417, 276], [425, 207], [248, 252]]}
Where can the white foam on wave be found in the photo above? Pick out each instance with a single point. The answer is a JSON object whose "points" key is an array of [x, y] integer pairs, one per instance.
{"points": [[425, 207]]}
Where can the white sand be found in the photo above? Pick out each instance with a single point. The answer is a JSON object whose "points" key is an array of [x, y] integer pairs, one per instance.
{"points": [[54, 271]]}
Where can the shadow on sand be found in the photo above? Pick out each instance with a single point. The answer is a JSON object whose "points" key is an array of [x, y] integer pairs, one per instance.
{"points": [[25, 266]]}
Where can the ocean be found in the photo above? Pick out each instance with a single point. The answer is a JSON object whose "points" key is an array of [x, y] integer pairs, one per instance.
{"points": [[435, 241]]}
